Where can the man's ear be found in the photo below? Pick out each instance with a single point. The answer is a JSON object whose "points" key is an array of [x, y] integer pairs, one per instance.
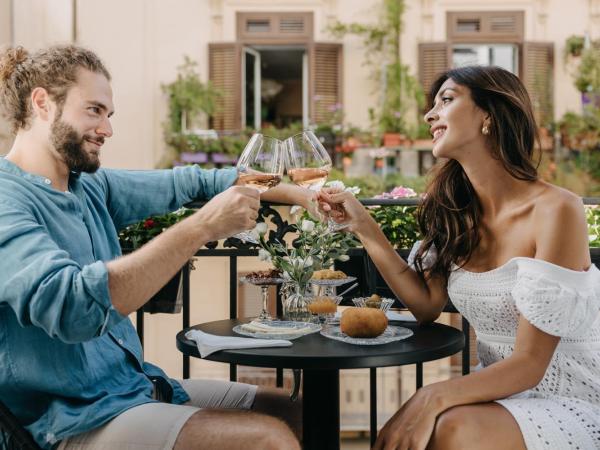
{"points": [[41, 103]]}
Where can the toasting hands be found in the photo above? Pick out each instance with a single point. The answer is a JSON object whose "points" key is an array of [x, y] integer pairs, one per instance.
{"points": [[230, 212]]}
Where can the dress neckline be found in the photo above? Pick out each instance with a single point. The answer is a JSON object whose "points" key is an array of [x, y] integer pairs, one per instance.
{"points": [[515, 259]]}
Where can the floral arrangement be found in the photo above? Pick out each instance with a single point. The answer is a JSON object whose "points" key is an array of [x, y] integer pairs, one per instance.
{"points": [[138, 234], [593, 220], [398, 223]]}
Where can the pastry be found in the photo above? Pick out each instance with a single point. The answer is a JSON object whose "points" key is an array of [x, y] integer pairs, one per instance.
{"points": [[264, 274], [328, 274], [363, 322], [374, 301]]}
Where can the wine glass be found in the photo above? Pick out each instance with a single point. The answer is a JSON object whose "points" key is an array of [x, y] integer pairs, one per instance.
{"points": [[261, 167], [308, 165]]}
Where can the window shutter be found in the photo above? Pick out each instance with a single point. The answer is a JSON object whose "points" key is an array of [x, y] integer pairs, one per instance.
{"points": [[224, 73], [433, 60], [485, 26], [265, 27], [537, 76], [325, 80]]}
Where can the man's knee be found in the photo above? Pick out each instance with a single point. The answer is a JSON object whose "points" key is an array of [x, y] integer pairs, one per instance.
{"points": [[229, 429]]}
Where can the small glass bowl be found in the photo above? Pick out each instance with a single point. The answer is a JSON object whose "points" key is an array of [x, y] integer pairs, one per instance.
{"points": [[324, 317], [361, 302]]}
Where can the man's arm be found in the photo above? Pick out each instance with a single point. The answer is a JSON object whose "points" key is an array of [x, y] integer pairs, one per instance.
{"points": [[134, 278]]}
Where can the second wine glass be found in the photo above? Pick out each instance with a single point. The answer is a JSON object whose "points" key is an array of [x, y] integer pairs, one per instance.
{"points": [[308, 165]]}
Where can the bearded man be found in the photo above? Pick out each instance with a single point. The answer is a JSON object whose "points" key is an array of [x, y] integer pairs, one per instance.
{"points": [[72, 368]]}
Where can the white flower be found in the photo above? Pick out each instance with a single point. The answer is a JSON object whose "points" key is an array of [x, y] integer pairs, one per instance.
{"points": [[592, 237], [307, 226], [260, 228], [264, 255], [343, 258], [354, 190], [308, 262], [336, 184], [294, 209]]}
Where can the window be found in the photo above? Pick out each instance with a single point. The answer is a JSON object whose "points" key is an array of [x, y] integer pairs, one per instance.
{"points": [[502, 55]]}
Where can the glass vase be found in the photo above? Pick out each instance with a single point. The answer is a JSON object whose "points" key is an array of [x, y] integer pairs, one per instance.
{"points": [[295, 304]]}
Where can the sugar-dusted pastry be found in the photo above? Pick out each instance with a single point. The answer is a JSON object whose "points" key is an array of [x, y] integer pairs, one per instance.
{"points": [[328, 274], [363, 322]]}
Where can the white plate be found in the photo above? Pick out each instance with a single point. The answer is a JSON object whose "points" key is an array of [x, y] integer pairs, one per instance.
{"points": [[303, 328], [335, 282], [391, 334]]}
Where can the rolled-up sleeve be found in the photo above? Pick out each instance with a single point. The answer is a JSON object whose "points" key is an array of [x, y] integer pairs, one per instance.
{"points": [[45, 287], [134, 195]]}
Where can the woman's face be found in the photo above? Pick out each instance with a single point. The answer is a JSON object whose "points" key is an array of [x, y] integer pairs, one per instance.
{"points": [[456, 122]]}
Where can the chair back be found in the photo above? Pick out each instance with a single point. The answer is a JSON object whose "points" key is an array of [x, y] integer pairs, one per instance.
{"points": [[12, 434]]}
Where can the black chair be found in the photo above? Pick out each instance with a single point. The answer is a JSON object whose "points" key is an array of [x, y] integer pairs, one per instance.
{"points": [[12, 434]]}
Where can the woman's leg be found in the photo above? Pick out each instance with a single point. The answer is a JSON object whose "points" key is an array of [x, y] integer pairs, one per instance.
{"points": [[487, 426]]}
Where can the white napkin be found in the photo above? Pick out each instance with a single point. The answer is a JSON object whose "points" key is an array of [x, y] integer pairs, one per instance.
{"points": [[210, 343], [391, 315]]}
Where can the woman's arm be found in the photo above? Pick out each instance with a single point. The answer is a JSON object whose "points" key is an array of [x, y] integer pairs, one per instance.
{"points": [[424, 298]]}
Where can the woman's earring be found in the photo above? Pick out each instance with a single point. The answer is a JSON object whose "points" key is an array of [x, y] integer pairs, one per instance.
{"points": [[485, 130]]}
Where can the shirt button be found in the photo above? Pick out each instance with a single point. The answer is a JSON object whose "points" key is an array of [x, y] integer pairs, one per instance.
{"points": [[120, 341], [47, 181]]}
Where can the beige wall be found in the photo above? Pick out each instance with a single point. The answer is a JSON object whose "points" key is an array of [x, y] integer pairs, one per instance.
{"points": [[5, 39]]}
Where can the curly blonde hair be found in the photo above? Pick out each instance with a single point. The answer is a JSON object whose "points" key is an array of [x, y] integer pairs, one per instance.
{"points": [[54, 69]]}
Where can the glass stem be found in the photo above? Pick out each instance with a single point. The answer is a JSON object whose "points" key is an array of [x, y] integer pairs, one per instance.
{"points": [[265, 299]]}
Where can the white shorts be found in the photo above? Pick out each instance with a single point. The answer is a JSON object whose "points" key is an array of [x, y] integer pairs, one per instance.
{"points": [[155, 426]]}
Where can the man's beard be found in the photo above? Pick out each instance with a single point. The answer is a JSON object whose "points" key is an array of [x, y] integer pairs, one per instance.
{"points": [[69, 144]]}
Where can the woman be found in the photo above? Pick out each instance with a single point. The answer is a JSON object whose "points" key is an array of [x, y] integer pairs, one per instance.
{"points": [[511, 252]]}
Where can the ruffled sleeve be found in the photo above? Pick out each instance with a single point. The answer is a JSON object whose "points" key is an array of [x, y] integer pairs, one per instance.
{"points": [[428, 259], [557, 300]]}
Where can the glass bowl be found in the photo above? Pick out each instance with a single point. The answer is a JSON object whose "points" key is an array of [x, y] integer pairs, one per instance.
{"points": [[323, 314], [361, 302]]}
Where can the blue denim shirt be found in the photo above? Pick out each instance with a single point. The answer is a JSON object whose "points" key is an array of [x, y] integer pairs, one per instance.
{"points": [[69, 362]]}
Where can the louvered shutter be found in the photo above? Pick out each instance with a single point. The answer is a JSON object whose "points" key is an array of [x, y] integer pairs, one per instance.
{"points": [[225, 74], [433, 60], [537, 65], [325, 80]]}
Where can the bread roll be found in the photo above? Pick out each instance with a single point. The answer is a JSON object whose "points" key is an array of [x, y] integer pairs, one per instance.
{"points": [[363, 322]]}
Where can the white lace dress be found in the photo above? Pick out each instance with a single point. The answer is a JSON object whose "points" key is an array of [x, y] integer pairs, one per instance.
{"points": [[563, 411]]}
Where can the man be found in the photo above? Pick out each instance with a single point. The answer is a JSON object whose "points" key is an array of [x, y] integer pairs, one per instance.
{"points": [[72, 368]]}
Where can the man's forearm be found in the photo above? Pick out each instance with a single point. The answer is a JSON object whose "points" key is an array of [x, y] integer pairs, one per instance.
{"points": [[134, 278]]}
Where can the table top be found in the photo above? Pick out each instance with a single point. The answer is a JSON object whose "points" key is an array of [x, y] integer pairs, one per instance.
{"points": [[429, 342]]}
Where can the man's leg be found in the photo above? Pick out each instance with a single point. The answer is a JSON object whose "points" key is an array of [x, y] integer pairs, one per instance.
{"points": [[221, 394], [211, 429]]}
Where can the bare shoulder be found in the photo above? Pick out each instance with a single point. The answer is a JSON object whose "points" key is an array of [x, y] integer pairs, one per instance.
{"points": [[561, 228]]}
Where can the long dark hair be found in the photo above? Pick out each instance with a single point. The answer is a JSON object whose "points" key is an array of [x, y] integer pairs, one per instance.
{"points": [[450, 215]]}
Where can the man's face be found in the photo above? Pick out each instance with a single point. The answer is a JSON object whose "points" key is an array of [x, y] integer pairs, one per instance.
{"points": [[79, 130]]}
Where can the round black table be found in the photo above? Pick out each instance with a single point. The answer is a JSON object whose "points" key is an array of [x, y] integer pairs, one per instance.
{"points": [[321, 359]]}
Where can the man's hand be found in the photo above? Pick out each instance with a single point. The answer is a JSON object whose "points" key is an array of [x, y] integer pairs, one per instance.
{"points": [[228, 213]]}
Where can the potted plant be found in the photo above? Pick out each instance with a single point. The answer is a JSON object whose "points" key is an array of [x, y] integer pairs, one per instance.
{"points": [[574, 46], [191, 102], [169, 298]]}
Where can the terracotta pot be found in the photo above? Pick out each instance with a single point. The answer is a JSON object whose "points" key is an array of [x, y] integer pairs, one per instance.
{"points": [[169, 299], [393, 139]]}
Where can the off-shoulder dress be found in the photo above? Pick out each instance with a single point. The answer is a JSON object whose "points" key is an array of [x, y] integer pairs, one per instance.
{"points": [[563, 411]]}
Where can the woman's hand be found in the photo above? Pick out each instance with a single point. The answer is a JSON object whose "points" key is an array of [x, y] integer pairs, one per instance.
{"points": [[412, 426], [342, 207]]}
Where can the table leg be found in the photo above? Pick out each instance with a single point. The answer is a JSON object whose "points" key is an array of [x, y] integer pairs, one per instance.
{"points": [[321, 409]]}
